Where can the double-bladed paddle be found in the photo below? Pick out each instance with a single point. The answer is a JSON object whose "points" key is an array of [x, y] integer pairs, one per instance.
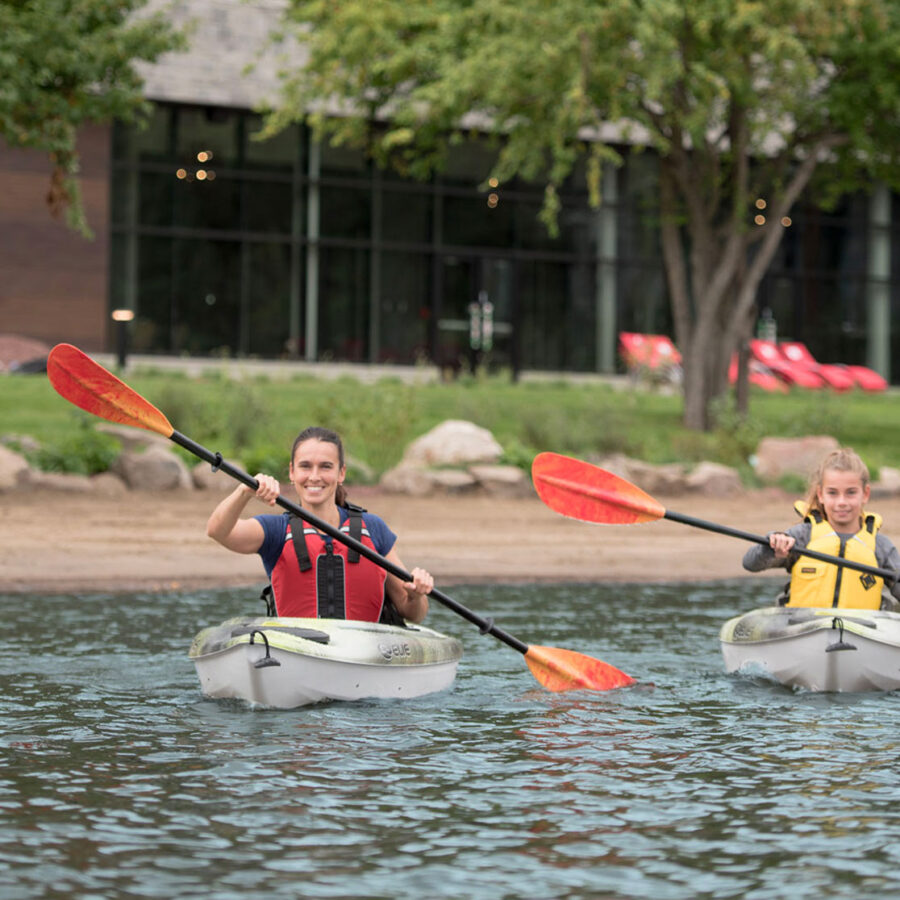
{"points": [[583, 491], [88, 385]]}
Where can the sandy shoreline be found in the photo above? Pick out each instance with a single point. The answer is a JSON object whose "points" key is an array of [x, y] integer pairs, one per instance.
{"points": [[51, 542]]}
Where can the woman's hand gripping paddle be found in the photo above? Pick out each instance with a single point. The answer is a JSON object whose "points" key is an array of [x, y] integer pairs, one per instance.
{"points": [[580, 490], [92, 388]]}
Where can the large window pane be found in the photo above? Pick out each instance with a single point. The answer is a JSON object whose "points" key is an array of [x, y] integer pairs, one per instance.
{"points": [[406, 217], [557, 317], [208, 137], [470, 221], [346, 212], [206, 291], [152, 330], [343, 304], [267, 327], [206, 204], [404, 308], [267, 207], [280, 153]]}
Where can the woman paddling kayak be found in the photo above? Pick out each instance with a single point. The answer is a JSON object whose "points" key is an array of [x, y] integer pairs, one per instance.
{"points": [[311, 574]]}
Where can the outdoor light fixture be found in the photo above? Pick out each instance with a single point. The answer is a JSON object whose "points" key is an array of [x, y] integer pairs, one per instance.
{"points": [[122, 317]]}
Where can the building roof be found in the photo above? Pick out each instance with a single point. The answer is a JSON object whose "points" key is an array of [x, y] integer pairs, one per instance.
{"points": [[230, 59]]}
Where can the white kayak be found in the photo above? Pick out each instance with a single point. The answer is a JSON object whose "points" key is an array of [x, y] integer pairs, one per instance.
{"points": [[819, 649], [285, 663]]}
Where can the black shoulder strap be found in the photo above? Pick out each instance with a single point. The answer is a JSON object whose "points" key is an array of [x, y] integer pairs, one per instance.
{"points": [[355, 531], [298, 538], [870, 523]]}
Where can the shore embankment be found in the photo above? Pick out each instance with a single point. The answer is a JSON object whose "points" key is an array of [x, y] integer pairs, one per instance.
{"points": [[55, 542]]}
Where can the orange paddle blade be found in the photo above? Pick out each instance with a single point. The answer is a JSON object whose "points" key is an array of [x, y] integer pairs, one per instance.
{"points": [[582, 491], [566, 670], [89, 386]]}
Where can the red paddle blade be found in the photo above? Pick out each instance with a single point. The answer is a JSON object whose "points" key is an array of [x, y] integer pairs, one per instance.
{"points": [[89, 386], [582, 491], [566, 670]]}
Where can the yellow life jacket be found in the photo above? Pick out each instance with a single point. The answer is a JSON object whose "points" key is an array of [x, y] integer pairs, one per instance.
{"points": [[817, 583]]}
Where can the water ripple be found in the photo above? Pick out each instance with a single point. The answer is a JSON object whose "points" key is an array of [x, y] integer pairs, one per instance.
{"points": [[120, 780]]}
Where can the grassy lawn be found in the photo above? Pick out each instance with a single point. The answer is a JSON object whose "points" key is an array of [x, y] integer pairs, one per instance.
{"points": [[254, 421]]}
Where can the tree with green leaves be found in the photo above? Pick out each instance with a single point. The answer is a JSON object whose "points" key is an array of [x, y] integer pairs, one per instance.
{"points": [[69, 63], [739, 99]]}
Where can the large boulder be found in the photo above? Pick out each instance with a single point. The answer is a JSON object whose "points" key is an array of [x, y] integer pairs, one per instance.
{"points": [[406, 479], [714, 479], [60, 482], [206, 479], [888, 484], [452, 481], [503, 481], [453, 443], [157, 469], [14, 469], [668, 478], [108, 484], [776, 457]]}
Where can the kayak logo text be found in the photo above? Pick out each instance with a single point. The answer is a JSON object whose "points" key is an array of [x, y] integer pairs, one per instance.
{"points": [[394, 650]]}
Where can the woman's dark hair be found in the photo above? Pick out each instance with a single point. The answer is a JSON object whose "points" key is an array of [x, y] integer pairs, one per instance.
{"points": [[317, 433]]}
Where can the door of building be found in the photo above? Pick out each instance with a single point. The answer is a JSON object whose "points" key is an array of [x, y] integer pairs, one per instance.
{"points": [[474, 314]]}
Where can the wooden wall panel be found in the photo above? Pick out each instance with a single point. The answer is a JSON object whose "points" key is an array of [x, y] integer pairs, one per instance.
{"points": [[53, 281]]}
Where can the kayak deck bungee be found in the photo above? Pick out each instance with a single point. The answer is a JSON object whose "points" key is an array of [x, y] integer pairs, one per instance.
{"points": [[290, 662], [816, 648]]}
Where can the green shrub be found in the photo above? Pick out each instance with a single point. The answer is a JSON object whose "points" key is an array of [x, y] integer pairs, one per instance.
{"points": [[81, 451]]}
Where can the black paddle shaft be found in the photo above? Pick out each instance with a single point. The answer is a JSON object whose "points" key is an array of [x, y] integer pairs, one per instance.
{"points": [[486, 626], [887, 574]]}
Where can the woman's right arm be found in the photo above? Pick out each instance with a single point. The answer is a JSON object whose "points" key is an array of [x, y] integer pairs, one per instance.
{"points": [[226, 526]]}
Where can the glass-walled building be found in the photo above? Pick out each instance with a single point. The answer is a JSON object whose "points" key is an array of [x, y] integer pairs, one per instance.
{"points": [[224, 244]]}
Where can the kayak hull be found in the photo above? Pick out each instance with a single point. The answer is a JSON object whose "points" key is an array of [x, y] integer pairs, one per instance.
{"points": [[816, 649], [287, 662]]}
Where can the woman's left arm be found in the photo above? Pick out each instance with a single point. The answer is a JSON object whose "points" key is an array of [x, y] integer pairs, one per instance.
{"points": [[410, 597]]}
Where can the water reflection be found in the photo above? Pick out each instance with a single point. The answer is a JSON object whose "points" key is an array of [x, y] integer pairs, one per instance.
{"points": [[120, 780]]}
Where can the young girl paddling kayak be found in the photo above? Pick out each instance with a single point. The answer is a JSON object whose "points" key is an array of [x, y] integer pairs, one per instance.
{"points": [[834, 522], [311, 574]]}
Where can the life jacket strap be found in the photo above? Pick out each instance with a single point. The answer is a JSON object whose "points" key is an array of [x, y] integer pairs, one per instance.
{"points": [[355, 529], [298, 539]]}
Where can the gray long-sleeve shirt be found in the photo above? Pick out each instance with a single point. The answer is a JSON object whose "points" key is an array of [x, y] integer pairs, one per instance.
{"points": [[760, 557]]}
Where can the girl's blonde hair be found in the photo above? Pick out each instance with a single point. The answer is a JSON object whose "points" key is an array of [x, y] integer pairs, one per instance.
{"points": [[841, 460]]}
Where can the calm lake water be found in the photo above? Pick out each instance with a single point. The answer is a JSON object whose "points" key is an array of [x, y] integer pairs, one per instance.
{"points": [[120, 780]]}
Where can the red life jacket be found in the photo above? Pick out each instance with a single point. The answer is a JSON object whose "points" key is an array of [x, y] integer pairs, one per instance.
{"points": [[325, 579]]}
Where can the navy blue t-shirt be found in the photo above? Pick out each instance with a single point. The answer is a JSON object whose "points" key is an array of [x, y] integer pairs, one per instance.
{"points": [[275, 532]]}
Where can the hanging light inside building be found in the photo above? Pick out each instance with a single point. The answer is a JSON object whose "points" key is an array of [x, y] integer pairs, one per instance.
{"points": [[493, 200], [760, 203], [760, 220], [787, 221]]}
